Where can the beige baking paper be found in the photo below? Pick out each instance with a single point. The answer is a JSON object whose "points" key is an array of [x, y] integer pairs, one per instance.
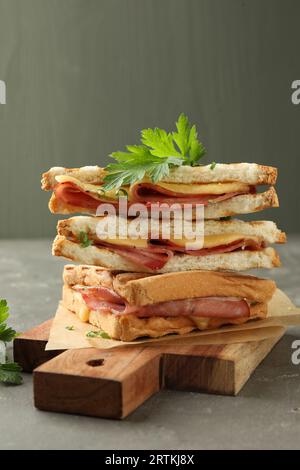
{"points": [[281, 313]]}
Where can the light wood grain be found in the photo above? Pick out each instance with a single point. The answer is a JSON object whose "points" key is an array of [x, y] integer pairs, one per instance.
{"points": [[123, 380], [113, 383], [221, 369]]}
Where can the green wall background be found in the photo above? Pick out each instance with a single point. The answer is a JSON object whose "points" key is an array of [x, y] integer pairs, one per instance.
{"points": [[84, 76]]}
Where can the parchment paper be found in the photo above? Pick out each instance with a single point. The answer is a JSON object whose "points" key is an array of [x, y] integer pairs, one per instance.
{"points": [[281, 313]]}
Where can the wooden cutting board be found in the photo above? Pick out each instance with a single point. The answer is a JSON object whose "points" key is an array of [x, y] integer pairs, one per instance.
{"points": [[113, 383]]}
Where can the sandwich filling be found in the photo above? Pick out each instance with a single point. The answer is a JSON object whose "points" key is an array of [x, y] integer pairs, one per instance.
{"points": [[154, 254], [106, 300], [73, 192]]}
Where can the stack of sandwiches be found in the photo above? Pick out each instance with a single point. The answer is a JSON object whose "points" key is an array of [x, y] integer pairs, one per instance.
{"points": [[131, 288]]}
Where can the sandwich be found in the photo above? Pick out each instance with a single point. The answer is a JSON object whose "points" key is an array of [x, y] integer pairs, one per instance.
{"points": [[127, 306], [225, 190], [227, 245]]}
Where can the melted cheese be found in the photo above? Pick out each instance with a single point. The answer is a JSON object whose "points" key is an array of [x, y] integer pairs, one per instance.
{"points": [[201, 322], [138, 243], [84, 313], [210, 241], [209, 188]]}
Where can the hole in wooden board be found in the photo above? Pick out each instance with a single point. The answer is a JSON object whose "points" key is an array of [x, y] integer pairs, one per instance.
{"points": [[95, 362]]}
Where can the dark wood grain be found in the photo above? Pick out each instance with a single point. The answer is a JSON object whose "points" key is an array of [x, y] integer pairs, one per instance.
{"points": [[29, 347]]}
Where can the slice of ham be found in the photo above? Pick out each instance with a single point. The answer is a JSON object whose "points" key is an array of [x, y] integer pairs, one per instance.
{"points": [[102, 305], [217, 307], [153, 257], [71, 194], [156, 256], [207, 307], [99, 294], [150, 193], [244, 244]]}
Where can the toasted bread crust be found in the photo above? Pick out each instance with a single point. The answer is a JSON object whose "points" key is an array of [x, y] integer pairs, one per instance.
{"points": [[87, 276], [192, 284], [268, 175], [96, 276], [86, 174], [282, 238], [270, 199], [130, 327], [144, 289], [250, 173], [265, 230]]}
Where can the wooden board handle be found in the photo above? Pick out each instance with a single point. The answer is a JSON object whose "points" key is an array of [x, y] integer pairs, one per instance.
{"points": [[109, 384]]}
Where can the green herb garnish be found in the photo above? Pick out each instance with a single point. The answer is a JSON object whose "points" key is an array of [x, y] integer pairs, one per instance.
{"points": [[84, 239], [10, 371], [158, 152], [70, 327], [213, 165], [7, 334], [97, 334]]}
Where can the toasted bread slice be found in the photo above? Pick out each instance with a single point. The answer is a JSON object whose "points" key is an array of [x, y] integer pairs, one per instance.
{"points": [[143, 289], [236, 261], [249, 173], [265, 230], [86, 174]]}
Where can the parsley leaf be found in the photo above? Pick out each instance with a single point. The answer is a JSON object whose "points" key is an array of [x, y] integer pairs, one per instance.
{"points": [[10, 373], [97, 334], [129, 172], [3, 310], [186, 139], [7, 334], [70, 327], [84, 239], [160, 142], [159, 152], [213, 165], [181, 137]]}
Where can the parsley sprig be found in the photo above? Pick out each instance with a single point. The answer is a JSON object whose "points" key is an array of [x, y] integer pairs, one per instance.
{"points": [[97, 334], [158, 152], [10, 371], [70, 327], [84, 239], [7, 334]]}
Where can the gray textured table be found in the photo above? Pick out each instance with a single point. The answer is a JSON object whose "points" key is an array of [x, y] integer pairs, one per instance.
{"points": [[266, 414]]}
